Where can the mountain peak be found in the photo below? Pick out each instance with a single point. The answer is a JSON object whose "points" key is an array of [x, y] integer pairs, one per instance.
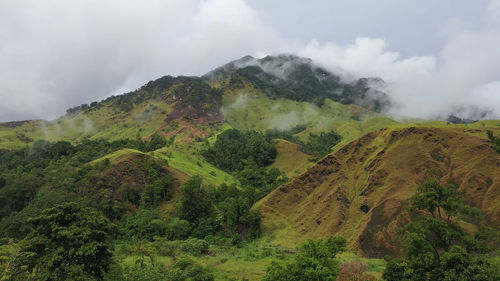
{"points": [[298, 78]]}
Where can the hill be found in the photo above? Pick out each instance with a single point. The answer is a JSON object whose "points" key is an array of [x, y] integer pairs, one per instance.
{"points": [[359, 191], [299, 79]]}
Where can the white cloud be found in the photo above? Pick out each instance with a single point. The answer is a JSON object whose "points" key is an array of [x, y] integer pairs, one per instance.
{"points": [[465, 74], [57, 54]]}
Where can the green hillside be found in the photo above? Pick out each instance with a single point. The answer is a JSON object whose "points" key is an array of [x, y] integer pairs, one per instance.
{"points": [[227, 176]]}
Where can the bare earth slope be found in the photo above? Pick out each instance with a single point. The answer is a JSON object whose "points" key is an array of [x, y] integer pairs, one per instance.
{"points": [[359, 191]]}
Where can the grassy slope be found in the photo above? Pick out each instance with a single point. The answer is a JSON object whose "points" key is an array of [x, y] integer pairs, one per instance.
{"points": [[245, 109], [248, 109], [386, 166], [101, 123], [189, 160], [290, 159]]}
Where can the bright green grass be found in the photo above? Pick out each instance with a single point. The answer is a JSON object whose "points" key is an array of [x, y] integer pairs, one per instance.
{"points": [[250, 110], [189, 160], [117, 154]]}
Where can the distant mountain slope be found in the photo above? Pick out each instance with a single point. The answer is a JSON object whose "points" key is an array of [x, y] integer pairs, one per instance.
{"points": [[359, 191], [165, 102], [299, 79]]}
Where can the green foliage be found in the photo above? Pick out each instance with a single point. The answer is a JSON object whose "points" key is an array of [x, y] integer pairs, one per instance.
{"points": [[186, 269], [183, 269], [315, 260], [143, 224], [225, 210], [436, 247], [263, 178], [194, 202], [322, 144], [441, 202], [301, 81], [495, 140], [156, 142], [288, 135], [160, 187], [195, 246], [234, 149], [68, 242], [178, 229], [145, 273], [317, 145]]}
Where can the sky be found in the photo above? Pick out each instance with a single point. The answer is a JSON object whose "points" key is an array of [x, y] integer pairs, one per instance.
{"points": [[437, 57]]}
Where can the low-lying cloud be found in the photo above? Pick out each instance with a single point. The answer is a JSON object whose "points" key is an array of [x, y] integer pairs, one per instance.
{"points": [[58, 54]]}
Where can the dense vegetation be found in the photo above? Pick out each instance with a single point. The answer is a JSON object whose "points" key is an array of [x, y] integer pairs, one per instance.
{"points": [[234, 150], [95, 209], [495, 140], [68, 242], [437, 247], [318, 145], [315, 260], [290, 77], [121, 195], [60, 171], [246, 155]]}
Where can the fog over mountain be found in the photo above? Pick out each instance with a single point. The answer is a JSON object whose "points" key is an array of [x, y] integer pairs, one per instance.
{"points": [[436, 58]]}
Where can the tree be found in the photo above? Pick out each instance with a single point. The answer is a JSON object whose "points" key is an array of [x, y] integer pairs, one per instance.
{"points": [[315, 261], [194, 201], [233, 150], [437, 247], [143, 224], [69, 242], [494, 140]]}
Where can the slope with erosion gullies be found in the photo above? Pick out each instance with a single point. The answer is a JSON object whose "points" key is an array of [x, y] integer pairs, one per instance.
{"points": [[299, 79], [359, 191], [158, 106]]}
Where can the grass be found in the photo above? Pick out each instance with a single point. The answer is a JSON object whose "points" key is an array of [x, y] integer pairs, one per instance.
{"points": [[320, 204], [290, 159], [247, 262], [117, 155], [189, 160]]}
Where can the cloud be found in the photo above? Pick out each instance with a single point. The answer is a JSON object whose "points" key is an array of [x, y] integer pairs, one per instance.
{"points": [[462, 79], [58, 54]]}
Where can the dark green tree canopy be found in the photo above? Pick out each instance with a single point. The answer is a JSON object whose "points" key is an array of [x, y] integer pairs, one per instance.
{"points": [[437, 248], [69, 242], [233, 150]]}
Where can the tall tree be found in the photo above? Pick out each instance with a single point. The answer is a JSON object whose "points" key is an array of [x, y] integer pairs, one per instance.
{"points": [[437, 247], [69, 242]]}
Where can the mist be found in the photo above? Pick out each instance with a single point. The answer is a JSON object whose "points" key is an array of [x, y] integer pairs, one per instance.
{"points": [[58, 54]]}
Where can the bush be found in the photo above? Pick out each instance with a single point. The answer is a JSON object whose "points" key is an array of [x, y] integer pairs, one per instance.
{"points": [[354, 271], [178, 229], [144, 224], [314, 261], [195, 246]]}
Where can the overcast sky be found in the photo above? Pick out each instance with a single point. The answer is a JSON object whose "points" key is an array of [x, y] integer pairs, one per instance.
{"points": [[436, 56]]}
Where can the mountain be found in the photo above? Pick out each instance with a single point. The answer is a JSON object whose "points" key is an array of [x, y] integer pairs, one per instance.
{"points": [[299, 79], [360, 190], [315, 154]]}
